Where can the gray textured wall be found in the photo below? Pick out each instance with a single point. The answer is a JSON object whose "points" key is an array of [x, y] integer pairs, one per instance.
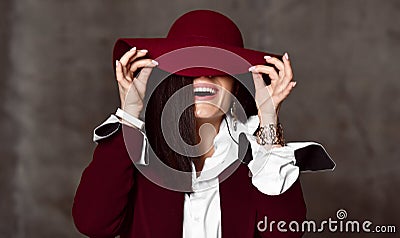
{"points": [[57, 84]]}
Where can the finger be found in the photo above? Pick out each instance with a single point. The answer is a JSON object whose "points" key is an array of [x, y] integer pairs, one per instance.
{"points": [[140, 53], [120, 74], [129, 57], [125, 58], [118, 71], [279, 98], [273, 75], [275, 61], [141, 81], [288, 89], [144, 74], [258, 80], [288, 69], [142, 64]]}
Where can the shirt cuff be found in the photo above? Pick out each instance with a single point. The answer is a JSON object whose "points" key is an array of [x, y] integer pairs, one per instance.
{"points": [[312, 157], [275, 169], [130, 119], [111, 126], [107, 128], [113, 123]]}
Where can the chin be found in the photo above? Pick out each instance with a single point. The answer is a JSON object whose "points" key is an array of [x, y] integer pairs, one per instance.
{"points": [[207, 111]]}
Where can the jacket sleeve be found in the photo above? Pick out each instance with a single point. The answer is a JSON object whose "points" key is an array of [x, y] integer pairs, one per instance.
{"points": [[101, 200], [278, 215]]}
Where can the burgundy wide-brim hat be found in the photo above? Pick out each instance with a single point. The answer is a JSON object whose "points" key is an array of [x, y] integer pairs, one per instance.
{"points": [[199, 43]]}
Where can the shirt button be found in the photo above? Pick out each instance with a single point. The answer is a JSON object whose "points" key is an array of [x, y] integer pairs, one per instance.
{"points": [[196, 218]]}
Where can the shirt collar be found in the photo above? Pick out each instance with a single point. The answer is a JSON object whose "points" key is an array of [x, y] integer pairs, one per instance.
{"points": [[225, 149]]}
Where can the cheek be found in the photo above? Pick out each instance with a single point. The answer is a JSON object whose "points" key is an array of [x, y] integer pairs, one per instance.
{"points": [[227, 83], [225, 100]]}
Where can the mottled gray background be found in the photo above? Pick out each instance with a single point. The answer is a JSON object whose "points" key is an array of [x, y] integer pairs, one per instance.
{"points": [[57, 84]]}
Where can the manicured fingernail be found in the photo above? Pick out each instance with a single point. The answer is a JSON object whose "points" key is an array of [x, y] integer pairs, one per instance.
{"points": [[286, 55], [294, 84], [144, 51], [252, 69], [116, 63], [154, 62], [133, 49], [267, 57]]}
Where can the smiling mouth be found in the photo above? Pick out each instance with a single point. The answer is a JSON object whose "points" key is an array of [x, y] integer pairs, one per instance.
{"points": [[204, 91]]}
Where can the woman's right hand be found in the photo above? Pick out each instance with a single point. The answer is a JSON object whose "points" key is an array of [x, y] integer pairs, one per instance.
{"points": [[132, 89]]}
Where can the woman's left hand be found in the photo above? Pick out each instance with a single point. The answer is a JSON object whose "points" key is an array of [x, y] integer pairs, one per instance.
{"points": [[269, 98]]}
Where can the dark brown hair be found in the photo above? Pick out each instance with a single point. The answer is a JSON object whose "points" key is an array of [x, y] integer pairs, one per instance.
{"points": [[187, 122]]}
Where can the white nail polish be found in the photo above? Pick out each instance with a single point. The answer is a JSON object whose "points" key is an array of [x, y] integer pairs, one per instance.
{"points": [[286, 55], [154, 62], [267, 57], [294, 84], [116, 63], [144, 51], [133, 49], [252, 69]]}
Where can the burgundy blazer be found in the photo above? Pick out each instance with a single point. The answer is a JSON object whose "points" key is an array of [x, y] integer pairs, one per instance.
{"points": [[114, 198]]}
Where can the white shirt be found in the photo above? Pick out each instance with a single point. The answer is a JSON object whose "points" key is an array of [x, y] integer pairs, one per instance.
{"points": [[273, 172]]}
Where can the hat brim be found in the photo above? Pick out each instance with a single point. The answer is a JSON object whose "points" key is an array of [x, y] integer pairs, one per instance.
{"points": [[194, 57]]}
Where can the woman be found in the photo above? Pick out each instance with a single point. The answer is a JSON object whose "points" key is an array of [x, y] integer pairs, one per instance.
{"points": [[210, 160]]}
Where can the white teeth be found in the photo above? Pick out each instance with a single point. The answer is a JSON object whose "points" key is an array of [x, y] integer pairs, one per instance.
{"points": [[204, 90]]}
